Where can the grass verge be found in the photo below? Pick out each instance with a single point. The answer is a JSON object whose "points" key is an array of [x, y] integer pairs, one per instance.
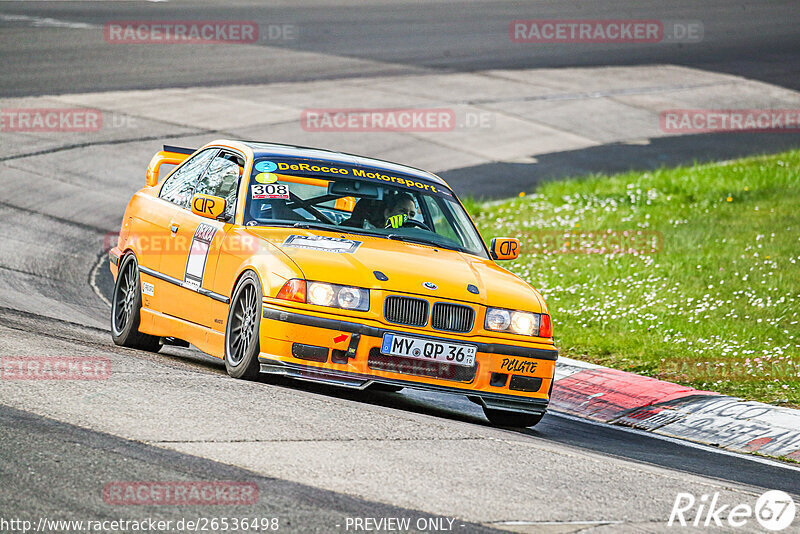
{"points": [[690, 274]]}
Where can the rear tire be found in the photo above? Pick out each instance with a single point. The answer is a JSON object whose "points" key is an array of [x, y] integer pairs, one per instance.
{"points": [[241, 333], [514, 419], [126, 307]]}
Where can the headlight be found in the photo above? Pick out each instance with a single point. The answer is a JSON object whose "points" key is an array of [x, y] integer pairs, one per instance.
{"points": [[350, 298], [320, 294], [515, 322], [525, 324], [497, 319], [324, 294]]}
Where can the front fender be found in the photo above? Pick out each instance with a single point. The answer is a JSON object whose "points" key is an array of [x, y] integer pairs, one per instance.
{"points": [[242, 251]]}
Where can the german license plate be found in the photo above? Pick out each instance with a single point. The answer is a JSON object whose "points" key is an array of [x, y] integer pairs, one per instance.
{"points": [[428, 349]]}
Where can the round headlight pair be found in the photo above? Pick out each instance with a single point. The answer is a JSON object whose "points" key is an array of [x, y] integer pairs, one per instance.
{"points": [[517, 322], [322, 294]]}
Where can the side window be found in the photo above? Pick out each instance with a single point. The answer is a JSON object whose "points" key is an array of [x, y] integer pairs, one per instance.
{"points": [[222, 180], [440, 223], [179, 186]]}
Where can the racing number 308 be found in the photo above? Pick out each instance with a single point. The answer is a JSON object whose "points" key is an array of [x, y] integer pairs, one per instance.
{"points": [[270, 191]]}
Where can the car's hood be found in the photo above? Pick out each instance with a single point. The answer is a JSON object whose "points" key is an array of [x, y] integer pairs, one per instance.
{"points": [[352, 259]]}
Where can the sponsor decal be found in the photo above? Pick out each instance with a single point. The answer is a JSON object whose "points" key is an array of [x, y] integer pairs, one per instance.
{"points": [[323, 169], [148, 289], [322, 243], [515, 365], [198, 254], [259, 191]]}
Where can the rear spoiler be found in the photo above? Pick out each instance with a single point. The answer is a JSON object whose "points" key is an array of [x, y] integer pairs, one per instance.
{"points": [[171, 155]]}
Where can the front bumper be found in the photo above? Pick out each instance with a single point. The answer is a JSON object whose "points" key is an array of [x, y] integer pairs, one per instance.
{"points": [[312, 347]]}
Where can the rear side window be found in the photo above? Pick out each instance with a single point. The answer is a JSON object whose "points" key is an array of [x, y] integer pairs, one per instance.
{"points": [[179, 187], [222, 179]]}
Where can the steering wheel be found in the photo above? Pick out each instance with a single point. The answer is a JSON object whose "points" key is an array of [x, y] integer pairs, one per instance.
{"points": [[416, 223]]}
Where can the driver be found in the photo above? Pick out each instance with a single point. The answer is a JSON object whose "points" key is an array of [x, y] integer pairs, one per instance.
{"points": [[399, 208]]}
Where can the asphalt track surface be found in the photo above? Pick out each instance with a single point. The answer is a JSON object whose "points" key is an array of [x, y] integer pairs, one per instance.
{"points": [[757, 40], [318, 454]]}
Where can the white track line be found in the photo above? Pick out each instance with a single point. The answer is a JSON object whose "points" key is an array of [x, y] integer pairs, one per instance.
{"points": [[44, 22], [93, 280]]}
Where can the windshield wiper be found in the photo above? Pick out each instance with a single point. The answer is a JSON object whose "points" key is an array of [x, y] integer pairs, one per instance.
{"points": [[406, 239], [316, 226]]}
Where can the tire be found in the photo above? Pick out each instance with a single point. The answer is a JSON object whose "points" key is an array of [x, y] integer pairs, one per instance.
{"points": [[126, 305], [241, 333], [515, 419]]}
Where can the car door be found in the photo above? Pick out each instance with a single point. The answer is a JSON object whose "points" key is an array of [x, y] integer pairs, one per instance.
{"points": [[194, 262], [156, 238]]}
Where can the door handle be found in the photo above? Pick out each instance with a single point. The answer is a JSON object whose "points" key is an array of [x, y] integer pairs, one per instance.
{"points": [[174, 228]]}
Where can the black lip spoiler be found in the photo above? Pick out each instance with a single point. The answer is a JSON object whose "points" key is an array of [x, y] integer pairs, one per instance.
{"points": [[179, 149]]}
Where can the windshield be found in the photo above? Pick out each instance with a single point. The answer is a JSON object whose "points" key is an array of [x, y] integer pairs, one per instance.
{"points": [[344, 198]]}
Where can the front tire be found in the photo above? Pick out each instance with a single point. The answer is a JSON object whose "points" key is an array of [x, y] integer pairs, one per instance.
{"points": [[126, 309], [513, 419], [241, 333]]}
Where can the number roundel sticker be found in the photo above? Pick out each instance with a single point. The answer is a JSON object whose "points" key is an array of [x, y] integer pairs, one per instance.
{"points": [[266, 178], [266, 166]]}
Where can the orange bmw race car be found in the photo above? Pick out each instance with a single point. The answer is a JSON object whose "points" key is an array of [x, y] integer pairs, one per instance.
{"points": [[329, 267]]}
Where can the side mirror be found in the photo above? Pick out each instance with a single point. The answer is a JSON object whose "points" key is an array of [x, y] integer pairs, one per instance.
{"points": [[208, 206], [504, 248]]}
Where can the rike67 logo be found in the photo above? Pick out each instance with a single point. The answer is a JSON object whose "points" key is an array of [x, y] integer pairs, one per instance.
{"points": [[774, 511]]}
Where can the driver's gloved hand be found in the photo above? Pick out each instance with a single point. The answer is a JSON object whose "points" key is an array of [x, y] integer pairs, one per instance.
{"points": [[396, 221]]}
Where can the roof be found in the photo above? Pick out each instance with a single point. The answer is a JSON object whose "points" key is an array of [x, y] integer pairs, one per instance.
{"points": [[278, 150]]}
